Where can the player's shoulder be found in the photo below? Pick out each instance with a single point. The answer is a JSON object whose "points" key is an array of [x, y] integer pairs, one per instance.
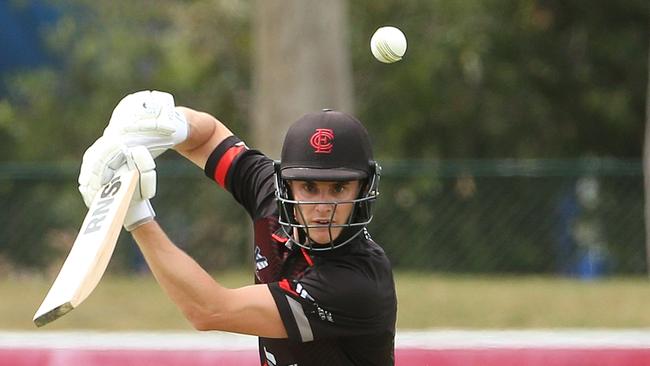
{"points": [[256, 157], [360, 277], [365, 254], [359, 257], [233, 156]]}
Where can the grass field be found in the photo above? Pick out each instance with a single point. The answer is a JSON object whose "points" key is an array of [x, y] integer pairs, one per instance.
{"points": [[425, 301]]}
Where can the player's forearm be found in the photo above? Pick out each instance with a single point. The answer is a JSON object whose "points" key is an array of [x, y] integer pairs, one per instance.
{"points": [[205, 133], [192, 289], [204, 302]]}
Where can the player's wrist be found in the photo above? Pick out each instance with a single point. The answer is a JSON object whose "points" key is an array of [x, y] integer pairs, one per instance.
{"points": [[181, 126], [140, 212]]}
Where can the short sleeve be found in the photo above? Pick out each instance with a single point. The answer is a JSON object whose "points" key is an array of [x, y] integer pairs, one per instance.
{"points": [[247, 174]]}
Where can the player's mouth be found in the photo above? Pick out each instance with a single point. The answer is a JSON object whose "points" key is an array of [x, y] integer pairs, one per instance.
{"points": [[321, 222]]}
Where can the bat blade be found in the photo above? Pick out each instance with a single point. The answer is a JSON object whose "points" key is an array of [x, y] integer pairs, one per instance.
{"points": [[91, 250]]}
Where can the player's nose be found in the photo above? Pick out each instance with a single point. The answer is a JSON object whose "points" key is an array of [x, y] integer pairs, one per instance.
{"points": [[324, 207]]}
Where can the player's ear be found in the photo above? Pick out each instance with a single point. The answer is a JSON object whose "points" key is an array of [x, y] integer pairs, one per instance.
{"points": [[368, 183], [361, 187], [289, 187]]}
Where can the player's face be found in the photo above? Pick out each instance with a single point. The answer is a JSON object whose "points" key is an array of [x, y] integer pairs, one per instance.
{"points": [[328, 211]]}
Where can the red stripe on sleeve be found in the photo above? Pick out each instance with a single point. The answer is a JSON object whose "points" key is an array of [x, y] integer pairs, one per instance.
{"points": [[224, 164]]}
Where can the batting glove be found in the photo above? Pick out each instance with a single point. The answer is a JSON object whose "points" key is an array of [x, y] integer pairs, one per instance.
{"points": [[140, 209], [103, 159], [148, 118]]}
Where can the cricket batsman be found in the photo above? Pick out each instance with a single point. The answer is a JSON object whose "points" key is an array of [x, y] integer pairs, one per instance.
{"points": [[324, 291]]}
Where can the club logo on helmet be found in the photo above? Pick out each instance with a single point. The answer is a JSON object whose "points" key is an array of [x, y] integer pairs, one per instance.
{"points": [[322, 140]]}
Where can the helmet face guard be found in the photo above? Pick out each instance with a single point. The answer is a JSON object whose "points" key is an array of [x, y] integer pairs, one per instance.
{"points": [[326, 146], [360, 216]]}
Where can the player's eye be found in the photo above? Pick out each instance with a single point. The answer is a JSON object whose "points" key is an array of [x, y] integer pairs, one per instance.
{"points": [[309, 187], [340, 187]]}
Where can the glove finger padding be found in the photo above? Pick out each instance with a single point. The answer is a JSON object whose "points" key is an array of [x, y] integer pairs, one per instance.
{"points": [[140, 210], [145, 106], [148, 118], [100, 162], [139, 158], [155, 127]]}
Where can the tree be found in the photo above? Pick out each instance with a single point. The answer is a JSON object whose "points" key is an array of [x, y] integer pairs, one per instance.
{"points": [[104, 50], [646, 168], [301, 64], [505, 79]]}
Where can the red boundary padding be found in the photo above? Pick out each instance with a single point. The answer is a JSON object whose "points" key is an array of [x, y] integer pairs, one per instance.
{"points": [[403, 357], [524, 356], [72, 357]]}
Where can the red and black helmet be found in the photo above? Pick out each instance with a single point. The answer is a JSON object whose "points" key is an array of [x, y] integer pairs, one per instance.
{"points": [[327, 146]]}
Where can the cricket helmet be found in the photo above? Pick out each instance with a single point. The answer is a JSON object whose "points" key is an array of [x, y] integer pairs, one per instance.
{"points": [[326, 146]]}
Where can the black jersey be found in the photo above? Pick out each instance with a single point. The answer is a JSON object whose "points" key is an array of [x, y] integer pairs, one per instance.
{"points": [[339, 306]]}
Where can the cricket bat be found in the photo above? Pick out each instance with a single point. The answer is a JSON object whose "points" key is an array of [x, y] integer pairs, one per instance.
{"points": [[91, 250]]}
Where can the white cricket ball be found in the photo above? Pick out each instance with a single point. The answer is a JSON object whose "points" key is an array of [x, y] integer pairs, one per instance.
{"points": [[388, 44]]}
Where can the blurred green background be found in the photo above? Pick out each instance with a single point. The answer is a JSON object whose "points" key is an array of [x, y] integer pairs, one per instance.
{"points": [[511, 133]]}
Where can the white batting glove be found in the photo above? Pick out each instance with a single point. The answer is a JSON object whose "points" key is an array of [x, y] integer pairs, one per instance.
{"points": [[148, 118], [98, 166], [100, 163], [140, 209]]}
